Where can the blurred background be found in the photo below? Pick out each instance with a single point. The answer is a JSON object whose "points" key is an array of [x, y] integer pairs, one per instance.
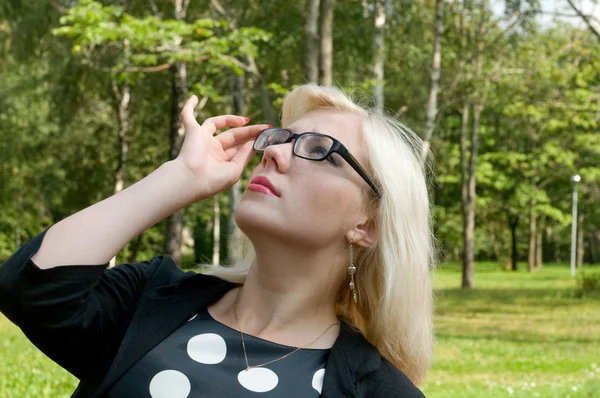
{"points": [[505, 93]]}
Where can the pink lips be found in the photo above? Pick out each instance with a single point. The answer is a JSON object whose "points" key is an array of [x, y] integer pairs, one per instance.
{"points": [[264, 185]]}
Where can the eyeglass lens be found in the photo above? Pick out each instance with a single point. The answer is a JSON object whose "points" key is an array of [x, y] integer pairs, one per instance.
{"points": [[311, 146]]}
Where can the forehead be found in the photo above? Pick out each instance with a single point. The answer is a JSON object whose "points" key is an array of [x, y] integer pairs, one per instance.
{"points": [[345, 127]]}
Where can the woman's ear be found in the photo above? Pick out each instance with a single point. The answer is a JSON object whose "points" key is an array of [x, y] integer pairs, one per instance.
{"points": [[364, 234]]}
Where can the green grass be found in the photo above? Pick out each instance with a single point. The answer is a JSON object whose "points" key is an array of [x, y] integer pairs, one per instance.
{"points": [[514, 335], [27, 373]]}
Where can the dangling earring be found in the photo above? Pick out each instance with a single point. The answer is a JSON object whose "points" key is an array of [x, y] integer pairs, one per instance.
{"points": [[352, 270]]}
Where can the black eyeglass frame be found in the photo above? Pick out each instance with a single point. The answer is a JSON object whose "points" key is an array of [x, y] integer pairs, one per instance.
{"points": [[337, 147]]}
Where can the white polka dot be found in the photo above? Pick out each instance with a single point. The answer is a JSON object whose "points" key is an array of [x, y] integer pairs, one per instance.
{"points": [[170, 384], [208, 348], [193, 317], [317, 381], [258, 379]]}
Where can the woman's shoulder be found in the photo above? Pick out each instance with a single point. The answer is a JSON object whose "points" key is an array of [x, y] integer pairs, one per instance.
{"points": [[171, 279], [389, 381]]}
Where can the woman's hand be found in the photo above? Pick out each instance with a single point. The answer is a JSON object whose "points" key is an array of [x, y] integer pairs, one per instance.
{"points": [[214, 162]]}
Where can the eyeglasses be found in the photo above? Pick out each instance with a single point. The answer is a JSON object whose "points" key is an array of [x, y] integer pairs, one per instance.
{"points": [[311, 146]]}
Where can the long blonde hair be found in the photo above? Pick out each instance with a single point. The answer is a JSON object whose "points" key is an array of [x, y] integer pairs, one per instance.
{"points": [[394, 310]]}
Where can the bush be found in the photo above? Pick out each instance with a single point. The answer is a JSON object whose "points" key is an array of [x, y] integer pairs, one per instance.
{"points": [[589, 284]]}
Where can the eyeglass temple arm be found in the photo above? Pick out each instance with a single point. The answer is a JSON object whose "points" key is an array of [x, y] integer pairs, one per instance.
{"points": [[358, 168]]}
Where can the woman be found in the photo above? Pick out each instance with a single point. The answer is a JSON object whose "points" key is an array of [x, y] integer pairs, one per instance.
{"points": [[331, 293]]}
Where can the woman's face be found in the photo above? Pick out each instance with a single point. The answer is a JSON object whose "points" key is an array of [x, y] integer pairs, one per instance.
{"points": [[319, 201]]}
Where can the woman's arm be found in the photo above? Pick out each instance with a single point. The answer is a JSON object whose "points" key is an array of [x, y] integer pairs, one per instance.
{"points": [[96, 234], [56, 287], [206, 165], [76, 315]]}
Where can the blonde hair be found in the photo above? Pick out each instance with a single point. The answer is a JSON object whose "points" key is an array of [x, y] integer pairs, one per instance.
{"points": [[394, 310]]}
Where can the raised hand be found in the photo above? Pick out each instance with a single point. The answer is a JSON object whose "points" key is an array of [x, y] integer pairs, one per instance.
{"points": [[215, 162]]}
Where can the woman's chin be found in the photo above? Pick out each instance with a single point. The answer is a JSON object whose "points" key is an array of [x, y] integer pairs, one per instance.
{"points": [[249, 218]]}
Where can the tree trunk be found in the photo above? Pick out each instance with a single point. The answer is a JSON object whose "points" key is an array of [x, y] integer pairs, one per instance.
{"points": [[174, 223], [123, 97], [311, 49], [470, 180], [586, 18], [467, 271], [137, 245], [432, 109], [467, 205], [469, 209], [495, 246], [539, 252], [124, 123], [513, 222], [235, 191], [252, 67], [20, 213], [532, 237], [327, 7], [216, 231], [379, 44], [266, 101], [593, 238], [580, 247]]}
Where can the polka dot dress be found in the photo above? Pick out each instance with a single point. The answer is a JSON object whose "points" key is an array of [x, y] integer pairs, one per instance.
{"points": [[204, 358]]}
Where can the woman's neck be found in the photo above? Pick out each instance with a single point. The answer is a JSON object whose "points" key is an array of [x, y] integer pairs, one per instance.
{"points": [[289, 311]]}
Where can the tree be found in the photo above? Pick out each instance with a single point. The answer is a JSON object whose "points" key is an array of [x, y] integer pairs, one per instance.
{"points": [[379, 44], [150, 44], [587, 18], [436, 64], [311, 52], [325, 78]]}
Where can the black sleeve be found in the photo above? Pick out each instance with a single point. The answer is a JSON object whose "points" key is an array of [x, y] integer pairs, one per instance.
{"points": [[388, 382], [74, 314]]}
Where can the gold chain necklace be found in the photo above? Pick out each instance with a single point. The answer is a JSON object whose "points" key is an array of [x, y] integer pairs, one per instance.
{"points": [[248, 367]]}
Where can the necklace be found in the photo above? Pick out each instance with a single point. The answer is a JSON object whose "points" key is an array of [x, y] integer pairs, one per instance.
{"points": [[248, 367]]}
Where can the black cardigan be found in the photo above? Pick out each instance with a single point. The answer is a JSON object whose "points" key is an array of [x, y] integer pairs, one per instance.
{"points": [[97, 323]]}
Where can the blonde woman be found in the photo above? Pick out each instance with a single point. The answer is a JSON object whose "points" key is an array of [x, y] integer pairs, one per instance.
{"points": [[330, 295]]}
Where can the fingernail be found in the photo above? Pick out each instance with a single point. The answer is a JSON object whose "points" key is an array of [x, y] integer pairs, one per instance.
{"points": [[269, 125], [247, 120]]}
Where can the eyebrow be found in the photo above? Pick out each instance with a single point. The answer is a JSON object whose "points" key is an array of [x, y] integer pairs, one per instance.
{"points": [[294, 130]]}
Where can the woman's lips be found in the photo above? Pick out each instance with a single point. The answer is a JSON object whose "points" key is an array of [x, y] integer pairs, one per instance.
{"points": [[261, 188]]}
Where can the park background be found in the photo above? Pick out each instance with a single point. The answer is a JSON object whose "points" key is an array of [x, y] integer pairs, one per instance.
{"points": [[506, 94]]}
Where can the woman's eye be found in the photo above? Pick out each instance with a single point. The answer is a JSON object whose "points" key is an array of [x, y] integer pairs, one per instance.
{"points": [[320, 151]]}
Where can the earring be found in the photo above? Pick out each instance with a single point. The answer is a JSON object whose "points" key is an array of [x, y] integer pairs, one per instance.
{"points": [[352, 270]]}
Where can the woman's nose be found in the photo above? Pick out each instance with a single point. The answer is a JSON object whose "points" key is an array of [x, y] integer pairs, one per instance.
{"points": [[279, 155]]}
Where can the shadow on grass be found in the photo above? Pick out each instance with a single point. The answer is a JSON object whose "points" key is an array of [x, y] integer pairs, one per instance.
{"points": [[492, 334], [517, 315], [487, 300]]}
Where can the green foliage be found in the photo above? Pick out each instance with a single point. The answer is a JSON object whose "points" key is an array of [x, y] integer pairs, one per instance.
{"points": [[589, 283], [58, 118], [107, 33], [539, 126]]}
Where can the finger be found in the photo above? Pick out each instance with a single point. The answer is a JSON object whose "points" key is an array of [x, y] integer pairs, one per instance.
{"points": [[230, 152], [215, 123], [241, 134], [187, 113], [243, 156]]}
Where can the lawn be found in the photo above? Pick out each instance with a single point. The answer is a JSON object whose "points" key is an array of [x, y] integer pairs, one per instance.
{"points": [[514, 335]]}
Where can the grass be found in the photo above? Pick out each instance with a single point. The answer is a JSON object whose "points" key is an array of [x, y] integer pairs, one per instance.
{"points": [[27, 373], [514, 335]]}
